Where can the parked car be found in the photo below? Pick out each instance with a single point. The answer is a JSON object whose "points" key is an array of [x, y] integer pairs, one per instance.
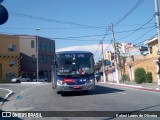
{"points": [[41, 79], [21, 79]]}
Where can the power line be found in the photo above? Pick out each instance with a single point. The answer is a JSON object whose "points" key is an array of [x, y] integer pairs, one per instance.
{"points": [[130, 11], [137, 28], [142, 35], [97, 49], [131, 25], [134, 30], [78, 38], [55, 21]]}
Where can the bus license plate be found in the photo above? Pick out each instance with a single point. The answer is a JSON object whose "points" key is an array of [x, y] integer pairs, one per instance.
{"points": [[76, 87]]}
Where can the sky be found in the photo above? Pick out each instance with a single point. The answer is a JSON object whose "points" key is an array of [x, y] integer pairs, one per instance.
{"points": [[82, 22]]}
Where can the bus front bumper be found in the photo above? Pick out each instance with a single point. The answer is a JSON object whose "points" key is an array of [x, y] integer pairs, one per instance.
{"points": [[84, 87]]}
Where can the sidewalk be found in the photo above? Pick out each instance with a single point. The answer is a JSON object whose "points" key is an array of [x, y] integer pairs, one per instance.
{"points": [[4, 94], [131, 84]]}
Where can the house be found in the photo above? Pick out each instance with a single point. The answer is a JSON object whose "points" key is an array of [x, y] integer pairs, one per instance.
{"points": [[146, 61], [131, 50], [19, 56]]}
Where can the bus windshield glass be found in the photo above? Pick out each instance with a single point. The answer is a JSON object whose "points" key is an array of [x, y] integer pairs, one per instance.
{"points": [[74, 64]]}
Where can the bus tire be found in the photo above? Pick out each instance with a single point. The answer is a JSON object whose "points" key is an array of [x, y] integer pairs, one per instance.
{"points": [[85, 91], [58, 92], [53, 87]]}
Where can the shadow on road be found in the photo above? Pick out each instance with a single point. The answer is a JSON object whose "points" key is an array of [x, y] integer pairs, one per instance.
{"points": [[1, 99], [104, 90], [98, 90]]}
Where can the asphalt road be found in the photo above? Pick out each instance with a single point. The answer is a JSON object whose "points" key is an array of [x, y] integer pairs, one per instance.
{"points": [[42, 97]]}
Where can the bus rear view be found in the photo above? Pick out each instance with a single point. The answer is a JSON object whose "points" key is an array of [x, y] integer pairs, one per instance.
{"points": [[74, 71]]}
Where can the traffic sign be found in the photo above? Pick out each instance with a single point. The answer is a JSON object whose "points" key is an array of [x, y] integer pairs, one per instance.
{"points": [[3, 15], [1, 1]]}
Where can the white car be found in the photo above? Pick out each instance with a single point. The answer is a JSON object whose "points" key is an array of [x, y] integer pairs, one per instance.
{"points": [[41, 79], [21, 79]]}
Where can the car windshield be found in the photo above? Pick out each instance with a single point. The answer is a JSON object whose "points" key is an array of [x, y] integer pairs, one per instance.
{"points": [[75, 64]]}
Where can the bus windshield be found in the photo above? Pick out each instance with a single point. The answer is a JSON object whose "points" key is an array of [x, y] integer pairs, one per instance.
{"points": [[75, 64]]}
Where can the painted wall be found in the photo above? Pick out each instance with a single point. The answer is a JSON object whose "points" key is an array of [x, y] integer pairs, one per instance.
{"points": [[8, 71], [148, 64]]}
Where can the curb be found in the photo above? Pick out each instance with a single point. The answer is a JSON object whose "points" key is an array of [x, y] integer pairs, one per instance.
{"points": [[134, 86], [33, 82], [6, 96]]}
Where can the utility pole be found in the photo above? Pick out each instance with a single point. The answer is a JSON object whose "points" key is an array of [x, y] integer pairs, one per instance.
{"points": [[115, 54], [158, 29], [37, 49], [104, 75], [157, 22]]}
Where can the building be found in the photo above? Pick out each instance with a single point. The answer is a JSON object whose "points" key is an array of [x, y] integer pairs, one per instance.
{"points": [[109, 56], [28, 54], [147, 61], [18, 55], [131, 50], [9, 57]]}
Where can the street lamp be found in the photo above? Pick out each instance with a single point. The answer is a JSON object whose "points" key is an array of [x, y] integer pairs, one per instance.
{"points": [[37, 29]]}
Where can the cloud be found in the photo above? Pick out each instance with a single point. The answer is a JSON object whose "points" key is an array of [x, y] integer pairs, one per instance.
{"points": [[92, 48]]}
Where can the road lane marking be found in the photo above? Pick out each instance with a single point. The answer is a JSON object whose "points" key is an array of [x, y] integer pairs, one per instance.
{"points": [[7, 95], [122, 93], [25, 109], [27, 89], [31, 88]]}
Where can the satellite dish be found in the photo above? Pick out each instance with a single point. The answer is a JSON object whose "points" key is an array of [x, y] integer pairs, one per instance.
{"points": [[3, 15]]}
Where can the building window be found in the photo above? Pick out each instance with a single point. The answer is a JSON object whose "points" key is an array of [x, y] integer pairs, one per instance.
{"points": [[43, 46], [0, 70], [32, 43], [151, 50], [52, 47], [12, 63], [51, 59], [33, 58], [12, 47], [40, 59], [45, 59], [48, 47], [40, 45]]}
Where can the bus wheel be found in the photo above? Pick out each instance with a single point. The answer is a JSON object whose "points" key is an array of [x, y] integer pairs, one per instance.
{"points": [[53, 87], [85, 91], [58, 92]]}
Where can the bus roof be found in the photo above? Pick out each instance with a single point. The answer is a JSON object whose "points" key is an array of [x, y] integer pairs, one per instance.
{"points": [[71, 52]]}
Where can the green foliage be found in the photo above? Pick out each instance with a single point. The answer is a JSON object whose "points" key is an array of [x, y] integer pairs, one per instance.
{"points": [[140, 75], [125, 77], [149, 77]]}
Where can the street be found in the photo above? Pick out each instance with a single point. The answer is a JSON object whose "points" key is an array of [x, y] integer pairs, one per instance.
{"points": [[41, 97]]}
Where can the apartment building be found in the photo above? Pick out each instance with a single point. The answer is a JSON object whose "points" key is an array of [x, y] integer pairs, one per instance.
{"points": [[9, 57], [18, 55]]}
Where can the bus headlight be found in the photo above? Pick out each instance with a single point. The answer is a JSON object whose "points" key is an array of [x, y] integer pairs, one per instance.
{"points": [[89, 81], [60, 82]]}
